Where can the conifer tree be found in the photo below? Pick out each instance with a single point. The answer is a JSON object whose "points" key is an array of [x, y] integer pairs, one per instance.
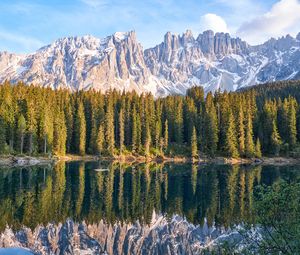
{"points": [[69, 121], [222, 108], [128, 123], [2, 136], [139, 133], [93, 137], [21, 131], [189, 118], [210, 126], [121, 131], [59, 134], [100, 140], [241, 130], [194, 147], [268, 121], [161, 146], [230, 138], [46, 128], [147, 141], [166, 135], [31, 123], [178, 120], [275, 140], [80, 129], [109, 127], [250, 147], [134, 130], [292, 124], [282, 117], [7, 111], [258, 149], [157, 134]]}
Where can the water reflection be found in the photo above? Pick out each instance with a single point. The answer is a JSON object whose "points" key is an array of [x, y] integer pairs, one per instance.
{"points": [[221, 193]]}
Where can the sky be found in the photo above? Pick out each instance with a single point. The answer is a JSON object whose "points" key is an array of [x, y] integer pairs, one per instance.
{"points": [[28, 25]]}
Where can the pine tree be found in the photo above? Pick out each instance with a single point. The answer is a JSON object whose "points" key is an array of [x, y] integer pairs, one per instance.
{"points": [[194, 147], [230, 138], [292, 124], [189, 118], [178, 120], [80, 129], [7, 110], [241, 130], [69, 120], [46, 128], [21, 131], [275, 140], [148, 141], [250, 147], [121, 131], [157, 134], [258, 149], [2, 136], [166, 135], [100, 139], [210, 126], [31, 123], [59, 134], [109, 127], [134, 130], [93, 137]]}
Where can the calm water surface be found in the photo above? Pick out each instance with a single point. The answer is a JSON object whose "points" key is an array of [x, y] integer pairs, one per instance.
{"points": [[220, 193]]}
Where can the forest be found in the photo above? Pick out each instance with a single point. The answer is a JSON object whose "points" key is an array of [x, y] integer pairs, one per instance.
{"points": [[254, 122]]}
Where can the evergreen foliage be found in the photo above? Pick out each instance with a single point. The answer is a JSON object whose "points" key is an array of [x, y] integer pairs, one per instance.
{"points": [[21, 131], [194, 147], [258, 149], [44, 121], [80, 129]]}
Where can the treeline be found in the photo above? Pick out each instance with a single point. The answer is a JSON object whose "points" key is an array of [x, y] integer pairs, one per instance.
{"points": [[36, 120], [275, 90]]}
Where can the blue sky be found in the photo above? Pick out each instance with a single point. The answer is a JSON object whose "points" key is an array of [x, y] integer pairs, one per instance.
{"points": [[29, 24]]}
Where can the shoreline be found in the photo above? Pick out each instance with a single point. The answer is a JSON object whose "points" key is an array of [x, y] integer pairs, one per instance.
{"points": [[26, 161]]}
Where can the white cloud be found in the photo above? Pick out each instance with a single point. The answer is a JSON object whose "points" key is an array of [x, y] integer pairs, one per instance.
{"points": [[283, 18], [213, 22]]}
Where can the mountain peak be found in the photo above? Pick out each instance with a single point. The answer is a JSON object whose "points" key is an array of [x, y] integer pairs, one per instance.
{"points": [[213, 60], [120, 36], [86, 41], [188, 33]]}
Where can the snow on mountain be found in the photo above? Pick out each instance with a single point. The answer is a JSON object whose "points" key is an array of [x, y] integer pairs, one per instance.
{"points": [[119, 62]]}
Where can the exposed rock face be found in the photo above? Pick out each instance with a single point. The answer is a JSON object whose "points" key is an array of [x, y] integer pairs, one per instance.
{"points": [[162, 236], [81, 63], [219, 61], [118, 62]]}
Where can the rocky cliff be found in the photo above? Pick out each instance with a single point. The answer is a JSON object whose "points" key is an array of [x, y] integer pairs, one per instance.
{"points": [[214, 61]]}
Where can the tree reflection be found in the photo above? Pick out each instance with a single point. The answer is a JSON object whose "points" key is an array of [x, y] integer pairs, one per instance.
{"points": [[221, 194]]}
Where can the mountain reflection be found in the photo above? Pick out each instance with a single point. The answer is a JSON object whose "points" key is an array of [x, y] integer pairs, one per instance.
{"points": [[222, 194]]}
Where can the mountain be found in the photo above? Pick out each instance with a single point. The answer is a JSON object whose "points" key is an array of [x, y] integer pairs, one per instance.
{"points": [[161, 236], [81, 63], [218, 61], [119, 62]]}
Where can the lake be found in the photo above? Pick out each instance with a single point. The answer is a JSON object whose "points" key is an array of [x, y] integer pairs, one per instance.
{"points": [[151, 208]]}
